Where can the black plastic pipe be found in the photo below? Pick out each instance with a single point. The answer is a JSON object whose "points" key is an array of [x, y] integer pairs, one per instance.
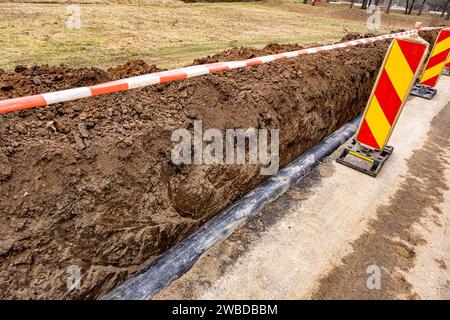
{"points": [[177, 260]]}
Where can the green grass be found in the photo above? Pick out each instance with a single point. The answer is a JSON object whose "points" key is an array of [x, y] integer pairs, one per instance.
{"points": [[169, 34]]}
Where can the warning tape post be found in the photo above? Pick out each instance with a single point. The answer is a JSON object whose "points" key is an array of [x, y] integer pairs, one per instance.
{"points": [[368, 151]]}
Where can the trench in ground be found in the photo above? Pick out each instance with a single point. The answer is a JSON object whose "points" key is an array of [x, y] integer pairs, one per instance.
{"points": [[91, 183]]}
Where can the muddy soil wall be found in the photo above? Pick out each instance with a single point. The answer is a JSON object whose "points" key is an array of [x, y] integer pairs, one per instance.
{"points": [[91, 183]]}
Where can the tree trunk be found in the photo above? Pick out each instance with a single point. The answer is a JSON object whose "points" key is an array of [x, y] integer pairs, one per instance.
{"points": [[407, 6], [351, 4], [445, 8], [411, 7], [364, 5], [305, 1], [313, 3], [388, 9], [421, 7]]}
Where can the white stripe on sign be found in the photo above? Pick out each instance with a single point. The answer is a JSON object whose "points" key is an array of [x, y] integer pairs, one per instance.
{"points": [[235, 64], [265, 59], [195, 71], [142, 81], [291, 54], [67, 95], [329, 47], [311, 50]]}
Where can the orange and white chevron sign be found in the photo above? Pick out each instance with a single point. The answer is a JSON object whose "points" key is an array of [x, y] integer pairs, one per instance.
{"points": [[437, 60], [395, 80]]}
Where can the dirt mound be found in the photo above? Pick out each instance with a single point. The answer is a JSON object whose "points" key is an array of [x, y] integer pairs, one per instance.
{"points": [[38, 79], [355, 36], [241, 53], [132, 68], [90, 183], [429, 36]]}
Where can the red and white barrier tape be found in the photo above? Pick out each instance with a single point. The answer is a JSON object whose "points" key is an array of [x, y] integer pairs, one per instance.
{"points": [[44, 99]]}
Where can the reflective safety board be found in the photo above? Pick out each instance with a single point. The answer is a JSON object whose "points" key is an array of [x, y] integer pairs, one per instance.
{"points": [[446, 70], [393, 85], [437, 60]]}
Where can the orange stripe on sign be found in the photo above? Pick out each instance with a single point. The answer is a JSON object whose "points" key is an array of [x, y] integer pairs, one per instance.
{"points": [[172, 76], [280, 56], [22, 103], [109, 87], [252, 62], [218, 67]]}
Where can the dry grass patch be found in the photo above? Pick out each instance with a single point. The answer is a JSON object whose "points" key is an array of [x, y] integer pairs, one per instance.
{"points": [[169, 33]]}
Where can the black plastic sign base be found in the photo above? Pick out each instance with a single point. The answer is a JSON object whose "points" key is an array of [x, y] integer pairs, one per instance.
{"points": [[364, 159], [423, 91], [446, 71]]}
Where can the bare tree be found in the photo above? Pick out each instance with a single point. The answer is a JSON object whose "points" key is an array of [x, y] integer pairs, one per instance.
{"points": [[388, 8], [445, 8], [351, 4], [436, 5], [421, 7], [411, 6], [407, 6], [364, 4]]}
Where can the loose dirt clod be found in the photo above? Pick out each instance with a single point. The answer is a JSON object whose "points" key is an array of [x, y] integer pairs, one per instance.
{"points": [[97, 188]]}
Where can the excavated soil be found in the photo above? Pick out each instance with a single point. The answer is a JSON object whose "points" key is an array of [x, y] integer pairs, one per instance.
{"points": [[91, 183], [242, 53]]}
